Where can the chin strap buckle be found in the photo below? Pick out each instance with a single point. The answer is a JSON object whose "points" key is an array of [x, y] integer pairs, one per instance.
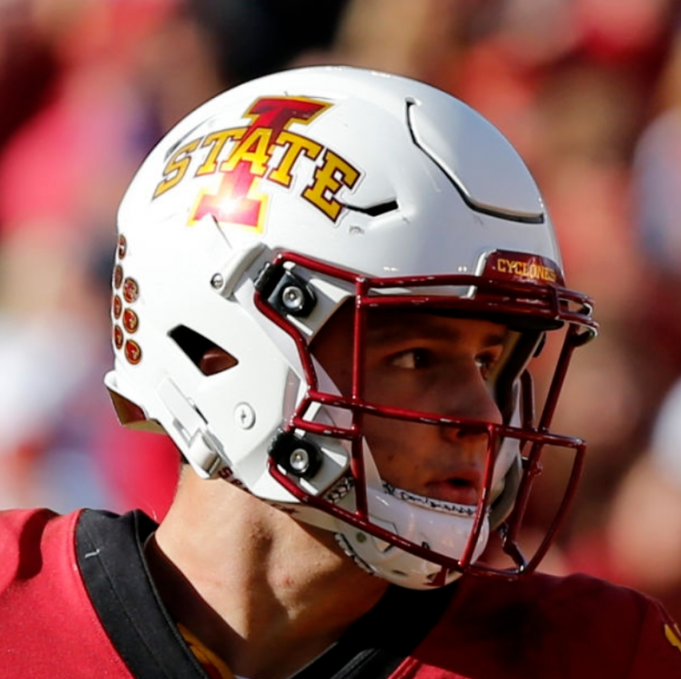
{"points": [[201, 448]]}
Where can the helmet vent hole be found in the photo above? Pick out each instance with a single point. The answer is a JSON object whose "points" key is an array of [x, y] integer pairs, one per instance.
{"points": [[207, 356], [376, 210]]}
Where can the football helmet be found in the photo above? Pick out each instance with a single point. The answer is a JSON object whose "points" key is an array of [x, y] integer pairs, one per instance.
{"points": [[258, 217]]}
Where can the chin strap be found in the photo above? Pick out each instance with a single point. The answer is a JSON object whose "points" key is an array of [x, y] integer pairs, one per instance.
{"points": [[350, 552]]}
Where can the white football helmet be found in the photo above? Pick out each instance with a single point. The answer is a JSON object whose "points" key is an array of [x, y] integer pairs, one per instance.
{"points": [[255, 219]]}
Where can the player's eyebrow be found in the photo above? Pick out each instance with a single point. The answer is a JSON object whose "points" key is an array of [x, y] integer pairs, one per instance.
{"points": [[383, 329]]}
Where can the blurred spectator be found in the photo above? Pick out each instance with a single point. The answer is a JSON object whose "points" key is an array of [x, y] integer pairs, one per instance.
{"points": [[640, 543], [636, 537], [27, 66], [249, 38], [61, 176], [657, 200], [414, 39]]}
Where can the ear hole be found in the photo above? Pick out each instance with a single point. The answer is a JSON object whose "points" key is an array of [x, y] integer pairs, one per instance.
{"points": [[216, 360], [207, 356]]}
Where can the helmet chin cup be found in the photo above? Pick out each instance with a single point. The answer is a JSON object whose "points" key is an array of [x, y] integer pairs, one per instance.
{"points": [[247, 228], [436, 526]]}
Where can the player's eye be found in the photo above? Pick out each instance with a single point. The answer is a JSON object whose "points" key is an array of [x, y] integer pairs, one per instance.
{"points": [[412, 359], [486, 363]]}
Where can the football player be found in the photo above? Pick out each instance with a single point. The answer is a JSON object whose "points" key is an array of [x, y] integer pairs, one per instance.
{"points": [[329, 290]]}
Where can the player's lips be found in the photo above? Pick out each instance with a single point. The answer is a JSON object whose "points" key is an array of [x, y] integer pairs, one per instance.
{"points": [[463, 487]]}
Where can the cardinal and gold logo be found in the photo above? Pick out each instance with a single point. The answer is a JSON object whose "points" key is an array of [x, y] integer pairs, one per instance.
{"points": [[264, 150]]}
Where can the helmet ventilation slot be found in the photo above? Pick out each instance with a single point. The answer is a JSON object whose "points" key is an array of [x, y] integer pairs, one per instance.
{"points": [[207, 356], [376, 210]]}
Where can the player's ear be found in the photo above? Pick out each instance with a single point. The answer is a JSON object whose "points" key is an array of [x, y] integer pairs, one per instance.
{"points": [[207, 356], [215, 360]]}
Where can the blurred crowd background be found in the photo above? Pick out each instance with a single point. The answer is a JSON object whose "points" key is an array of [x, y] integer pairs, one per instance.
{"points": [[589, 91]]}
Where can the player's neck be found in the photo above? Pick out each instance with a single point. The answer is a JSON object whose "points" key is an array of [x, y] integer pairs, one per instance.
{"points": [[262, 591]]}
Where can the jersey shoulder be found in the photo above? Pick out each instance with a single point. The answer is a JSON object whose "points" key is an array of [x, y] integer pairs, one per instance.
{"points": [[29, 538], [544, 625], [43, 597]]}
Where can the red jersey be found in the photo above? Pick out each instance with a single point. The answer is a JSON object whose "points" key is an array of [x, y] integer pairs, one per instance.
{"points": [[77, 601]]}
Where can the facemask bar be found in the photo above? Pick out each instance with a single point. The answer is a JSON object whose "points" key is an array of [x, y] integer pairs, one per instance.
{"points": [[537, 304]]}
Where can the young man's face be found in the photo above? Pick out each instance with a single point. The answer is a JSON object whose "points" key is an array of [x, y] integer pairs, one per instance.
{"points": [[433, 363]]}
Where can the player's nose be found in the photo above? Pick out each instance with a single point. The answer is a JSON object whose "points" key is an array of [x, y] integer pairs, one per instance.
{"points": [[471, 399]]}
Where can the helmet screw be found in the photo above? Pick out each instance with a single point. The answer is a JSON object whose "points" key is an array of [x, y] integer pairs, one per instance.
{"points": [[217, 281], [244, 415], [361, 537], [299, 460], [296, 456], [292, 298]]}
